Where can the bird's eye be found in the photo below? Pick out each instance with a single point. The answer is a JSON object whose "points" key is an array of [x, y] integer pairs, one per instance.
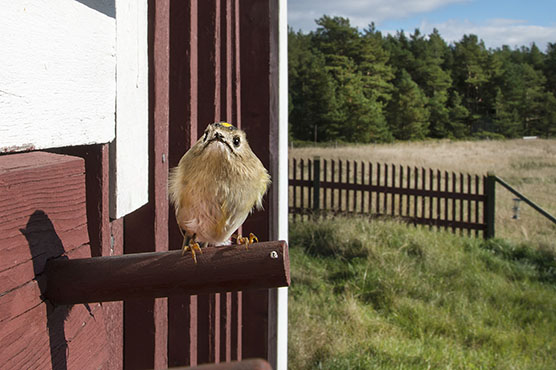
{"points": [[236, 141]]}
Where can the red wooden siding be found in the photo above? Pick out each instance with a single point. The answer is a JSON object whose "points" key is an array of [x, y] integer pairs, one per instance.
{"points": [[209, 60], [43, 196], [106, 237], [212, 60]]}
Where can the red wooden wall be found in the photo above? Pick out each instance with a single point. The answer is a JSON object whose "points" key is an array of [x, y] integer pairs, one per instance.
{"points": [[209, 60], [43, 215]]}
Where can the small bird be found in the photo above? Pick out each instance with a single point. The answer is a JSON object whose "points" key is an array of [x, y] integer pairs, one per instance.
{"points": [[216, 184]]}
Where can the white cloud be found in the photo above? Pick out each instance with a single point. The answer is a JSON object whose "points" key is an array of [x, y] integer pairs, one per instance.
{"points": [[302, 14], [495, 32]]}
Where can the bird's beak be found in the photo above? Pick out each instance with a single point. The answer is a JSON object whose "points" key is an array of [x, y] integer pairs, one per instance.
{"points": [[218, 137]]}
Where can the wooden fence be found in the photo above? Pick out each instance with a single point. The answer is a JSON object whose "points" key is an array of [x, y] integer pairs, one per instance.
{"points": [[443, 199]]}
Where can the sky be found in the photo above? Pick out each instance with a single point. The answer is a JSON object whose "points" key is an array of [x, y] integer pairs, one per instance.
{"points": [[514, 23]]}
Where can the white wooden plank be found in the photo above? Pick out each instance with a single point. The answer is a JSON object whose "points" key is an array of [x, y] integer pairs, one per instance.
{"points": [[57, 74], [282, 294], [279, 298], [129, 152]]}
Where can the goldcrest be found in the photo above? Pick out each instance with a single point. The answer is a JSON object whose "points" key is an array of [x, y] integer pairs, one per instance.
{"points": [[216, 184]]}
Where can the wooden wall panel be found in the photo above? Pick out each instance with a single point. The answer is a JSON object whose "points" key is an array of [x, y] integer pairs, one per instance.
{"points": [[106, 238], [258, 116], [209, 66], [146, 230], [182, 310], [128, 152], [66, 51], [42, 198], [209, 61], [204, 88], [210, 15]]}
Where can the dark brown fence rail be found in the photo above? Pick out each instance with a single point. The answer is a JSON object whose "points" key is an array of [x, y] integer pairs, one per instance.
{"points": [[443, 199]]}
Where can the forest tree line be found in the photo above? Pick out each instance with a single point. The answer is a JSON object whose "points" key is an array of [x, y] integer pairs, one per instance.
{"points": [[362, 86]]}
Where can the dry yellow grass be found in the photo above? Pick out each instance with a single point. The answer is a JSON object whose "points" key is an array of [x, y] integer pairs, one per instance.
{"points": [[527, 165]]}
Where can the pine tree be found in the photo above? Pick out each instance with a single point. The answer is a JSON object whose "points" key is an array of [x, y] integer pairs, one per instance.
{"points": [[311, 89], [548, 127], [408, 116], [435, 83], [459, 116], [532, 101], [470, 75], [342, 86], [507, 121], [549, 68], [357, 65]]}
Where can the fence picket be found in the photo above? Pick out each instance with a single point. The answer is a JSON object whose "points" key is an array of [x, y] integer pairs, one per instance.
{"points": [[415, 197], [302, 177], [332, 179], [355, 191], [431, 182], [453, 202], [294, 172], [468, 202], [446, 199], [362, 183], [461, 190], [325, 189], [393, 185], [408, 197], [423, 182], [310, 176], [400, 206], [347, 194], [370, 185], [341, 181], [378, 192], [477, 181], [438, 200], [384, 204]]}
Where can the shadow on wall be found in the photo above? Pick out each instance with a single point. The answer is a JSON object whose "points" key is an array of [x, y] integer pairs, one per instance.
{"points": [[106, 7], [44, 243]]}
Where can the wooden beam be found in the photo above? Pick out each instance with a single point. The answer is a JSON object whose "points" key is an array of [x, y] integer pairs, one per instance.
{"points": [[159, 274]]}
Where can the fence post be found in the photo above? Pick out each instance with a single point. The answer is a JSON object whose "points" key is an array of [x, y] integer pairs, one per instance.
{"points": [[490, 205], [316, 184]]}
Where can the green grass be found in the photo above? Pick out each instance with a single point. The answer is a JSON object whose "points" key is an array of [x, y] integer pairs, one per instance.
{"points": [[384, 295]]}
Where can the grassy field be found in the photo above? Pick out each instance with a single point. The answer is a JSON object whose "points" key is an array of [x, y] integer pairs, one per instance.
{"points": [[384, 295], [527, 165]]}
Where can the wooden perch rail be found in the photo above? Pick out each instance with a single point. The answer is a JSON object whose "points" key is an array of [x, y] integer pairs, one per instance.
{"points": [[159, 274]]}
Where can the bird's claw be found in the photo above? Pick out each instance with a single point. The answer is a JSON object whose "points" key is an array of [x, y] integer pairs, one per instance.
{"points": [[189, 243], [246, 240]]}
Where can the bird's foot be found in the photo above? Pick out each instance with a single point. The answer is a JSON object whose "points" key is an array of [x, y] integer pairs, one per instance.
{"points": [[189, 243], [246, 240]]}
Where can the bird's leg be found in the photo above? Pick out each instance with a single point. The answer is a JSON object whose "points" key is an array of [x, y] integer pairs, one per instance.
{"points": [[246, 240], [191, 244]]}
